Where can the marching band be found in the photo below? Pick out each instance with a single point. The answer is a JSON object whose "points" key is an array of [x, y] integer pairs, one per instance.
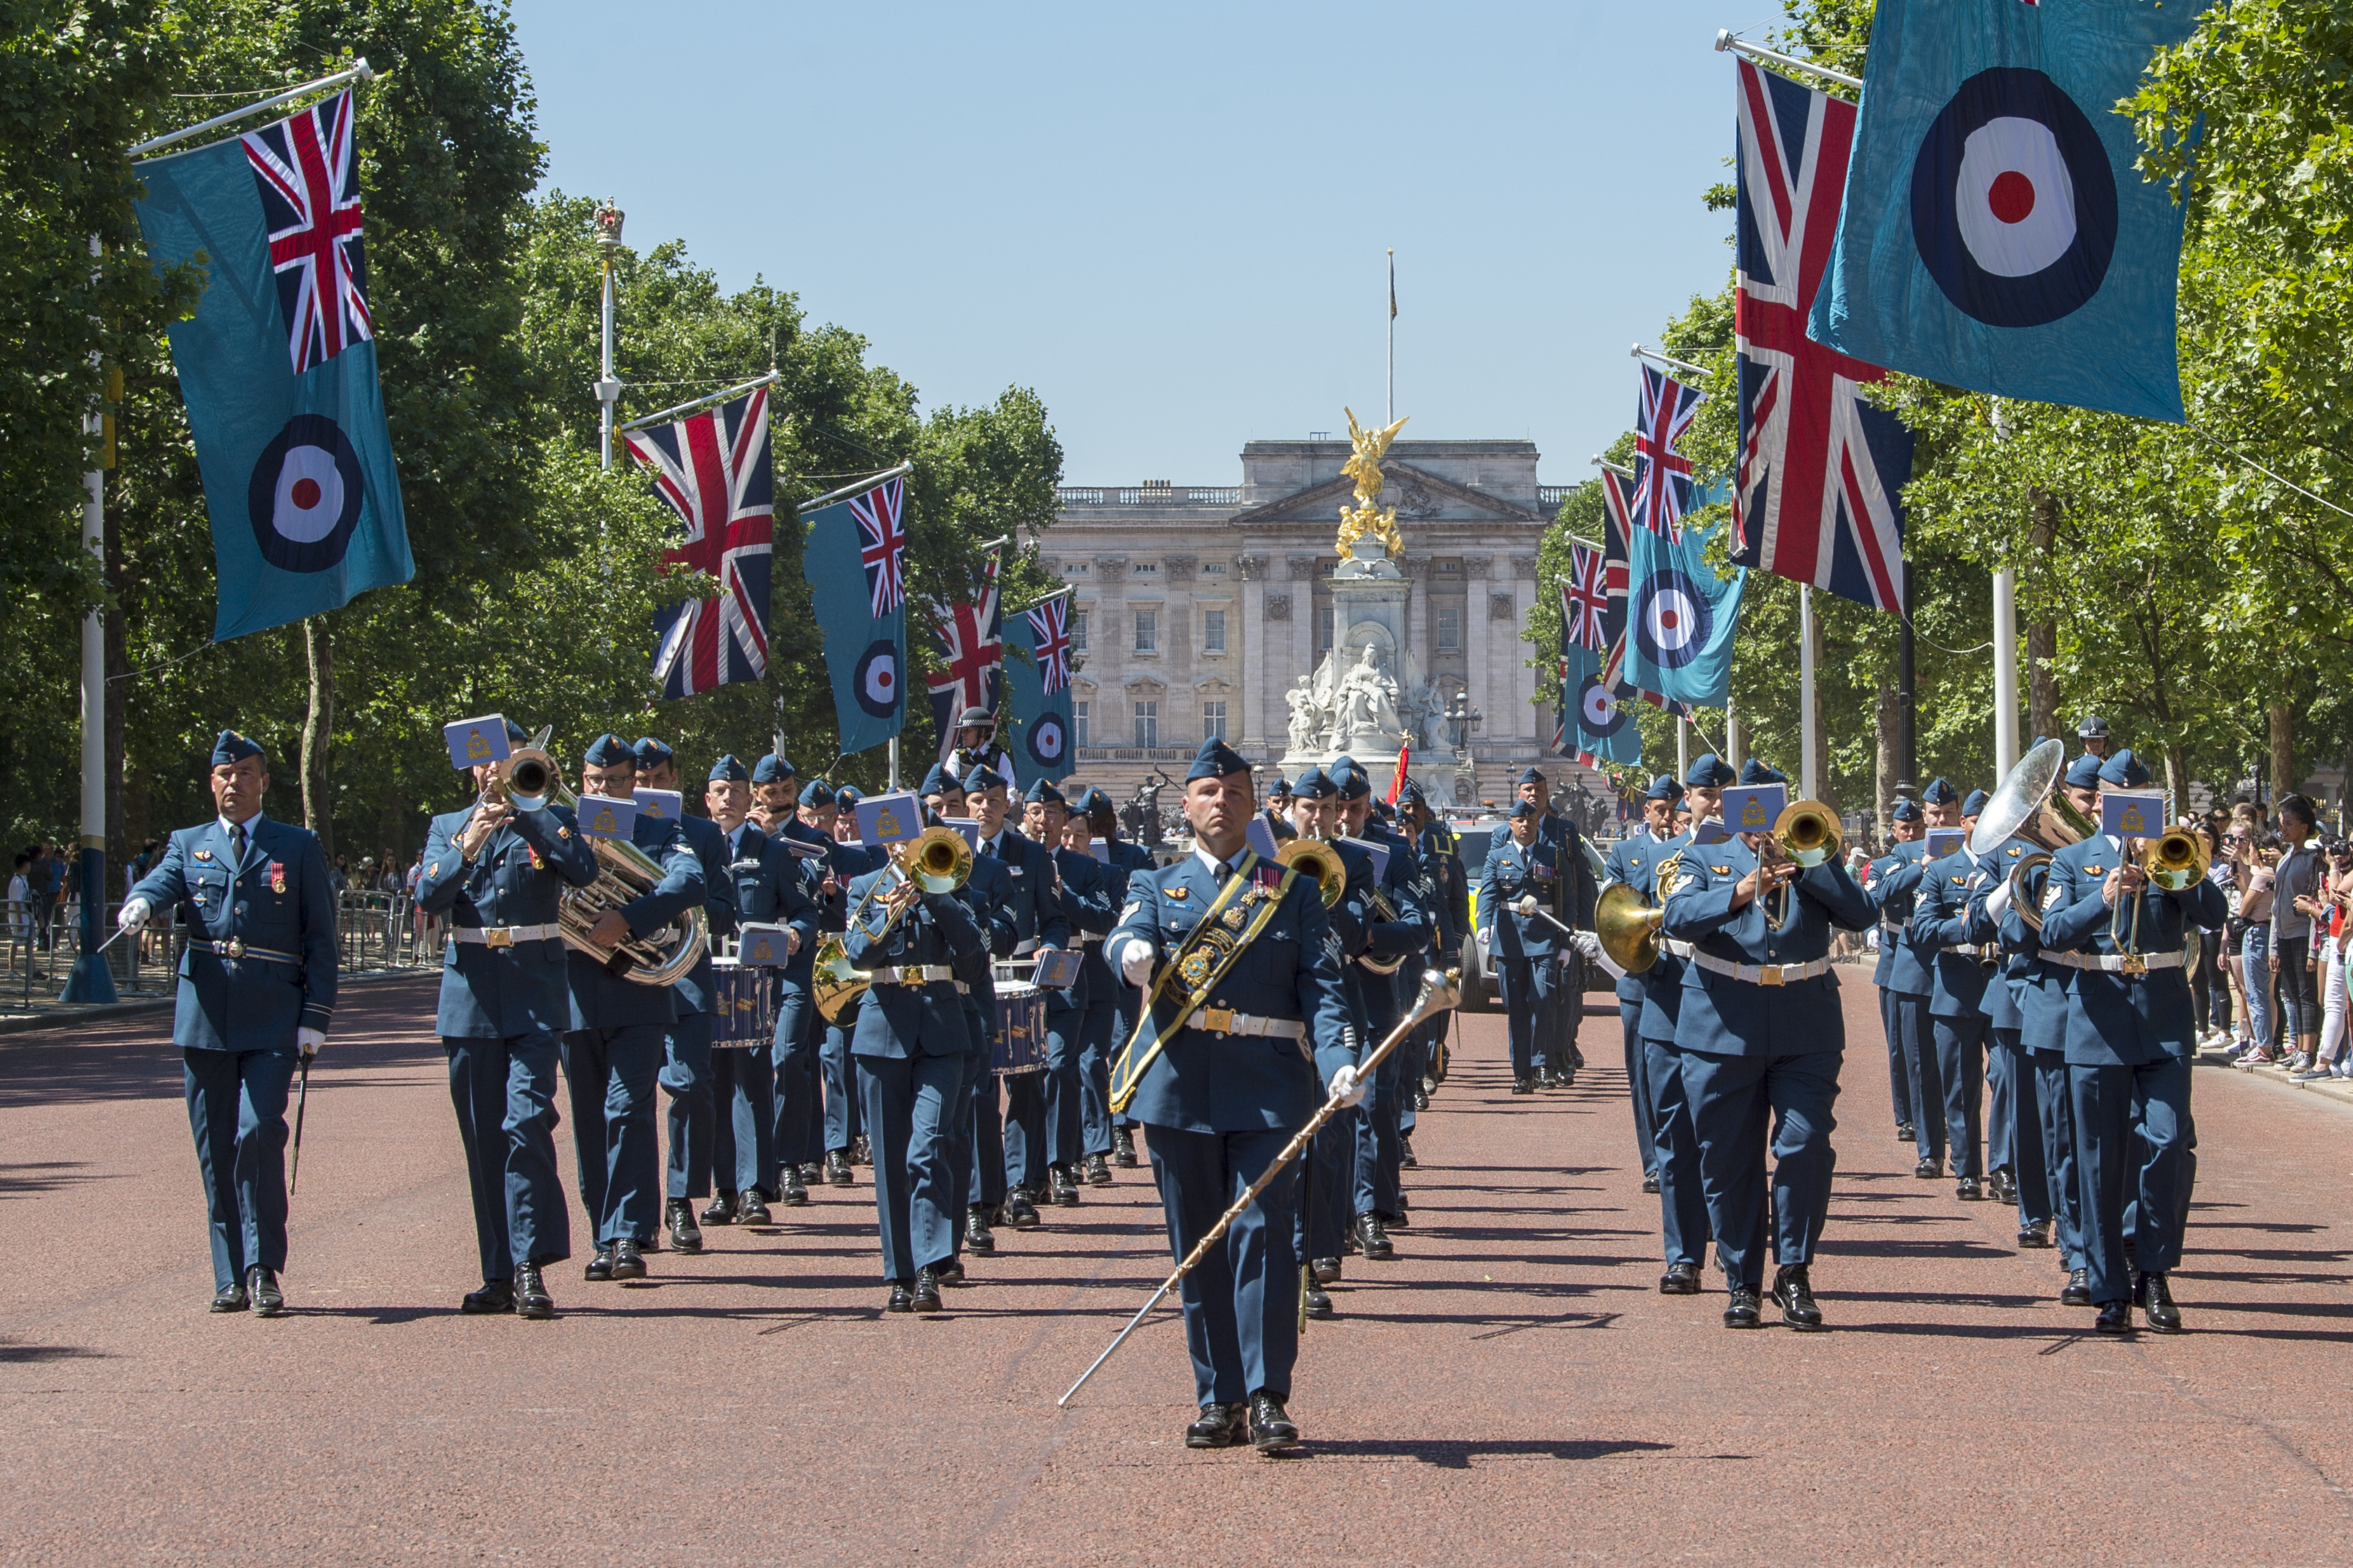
{"points": [[987, 1002]]}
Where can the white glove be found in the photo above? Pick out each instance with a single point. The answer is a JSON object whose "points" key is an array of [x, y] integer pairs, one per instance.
{"points": [[1136, 958], [1587, 945], [134, 912], [309, 1040], [1999, 900], [1349, 1086], [1526, 906]]}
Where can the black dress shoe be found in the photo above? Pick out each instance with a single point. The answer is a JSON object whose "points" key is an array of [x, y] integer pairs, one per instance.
{"points": [[531, 1299], [1928, 1169], [1059, 1187], [684, 1235], [2115, 1318], [629, 1259], [2157, 1305], [1680, 1280], [812, 1173], [2034, 1233], [1794, 1293], [1219, 1426], [1651, 1183], [952, 1272], [795, 1191], [979, 1239], [230, 1299], [2005, 1188], [861, 1151], [495, 1296], [2078, 1291], [1122, 1148], [1907, 1133], [1742, 1308], [1373, 1238], [1325, 1270], [902, 1297], [1404, 1151], [1097, 1172], [1523, 1085], [721, 1210], [837, 1168], [1317, 1303], [1400, 1220], [1271, 1426], [261, 1285], [1021, 1210], [1970, 1190], [751, 1208], [1421, 1098], [599, 1267], [927, 1289]]}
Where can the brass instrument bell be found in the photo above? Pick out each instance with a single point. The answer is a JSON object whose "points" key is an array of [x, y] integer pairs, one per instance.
{"points": [[1628, 928], [1314, 857], [1807, 833]]}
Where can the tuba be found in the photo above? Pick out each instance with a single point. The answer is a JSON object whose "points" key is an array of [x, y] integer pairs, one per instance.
{"points": [[936, 861], [2028, 806]]}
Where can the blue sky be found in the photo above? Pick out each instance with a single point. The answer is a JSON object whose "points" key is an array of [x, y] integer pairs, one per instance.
{"points": [[1171, 221]]}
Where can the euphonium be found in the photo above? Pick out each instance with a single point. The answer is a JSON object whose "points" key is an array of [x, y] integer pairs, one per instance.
{"points": [[936, 861], [1628, 928], [1313, 857], [2024, 897]]}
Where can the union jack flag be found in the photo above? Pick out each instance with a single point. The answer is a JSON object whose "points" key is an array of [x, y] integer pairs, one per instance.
{"points": [[1617, 514], [880, 514], [307, 169], [1584, 599], [1816, 495], [1050, 631], [1662, 476], [713, 467], [970, 641]]}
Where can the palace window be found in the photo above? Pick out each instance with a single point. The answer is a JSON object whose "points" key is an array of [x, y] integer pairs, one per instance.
{"points": [[1213, 631], [1449, 629], [1324, 629], [1213, 721], [1147, 723], [1078, 631], [1147, 631], [1145, 569], [1079, 724]]}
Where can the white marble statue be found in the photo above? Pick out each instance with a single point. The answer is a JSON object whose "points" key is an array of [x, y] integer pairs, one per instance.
{"points": [[1367, 705], [1306, 717]]}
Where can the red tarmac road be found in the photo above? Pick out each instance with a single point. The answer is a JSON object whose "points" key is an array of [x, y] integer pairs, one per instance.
{"points": [[1512, 1389]]}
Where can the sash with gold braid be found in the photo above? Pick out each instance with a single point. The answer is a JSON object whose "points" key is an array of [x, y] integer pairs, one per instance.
{"points": [[1208, 951]]}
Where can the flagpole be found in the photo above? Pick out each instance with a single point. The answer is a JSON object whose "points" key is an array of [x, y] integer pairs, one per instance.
{"points": [[1807, 723], [2005, 654], [705, 401], [1683, 748], [1638, 352], [608, 389], [1039, 603], [1621, 470], [857, 487], [1390, 415], [91, 980], [360, 71], [1725, 41]]}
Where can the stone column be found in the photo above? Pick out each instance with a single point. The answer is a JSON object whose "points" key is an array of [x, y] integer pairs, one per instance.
{"points": [[1245, 643], [1523, 675], [1478, 670]]}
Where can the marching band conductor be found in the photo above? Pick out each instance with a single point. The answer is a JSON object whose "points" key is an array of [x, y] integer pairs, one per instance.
{"points": [[1249, 1032], [257, 991]]}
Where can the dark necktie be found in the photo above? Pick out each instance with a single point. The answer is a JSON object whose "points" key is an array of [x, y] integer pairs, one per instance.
{"points": [[237, 843]]}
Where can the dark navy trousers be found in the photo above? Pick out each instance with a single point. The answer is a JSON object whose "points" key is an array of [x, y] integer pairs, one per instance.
{"points": [[237, 1110], [1734, 1102], [911, 1106], [1532, 992], [1682, 1196], [1899, 1075], [505, 1094], [1961, 1068], [2055, 1115], [1095, 1047], [686, 1078], [2133, 1134], [1638, 1087], [1917, 1040], [1241, 1302], [798, 1135], [610, 1074]]}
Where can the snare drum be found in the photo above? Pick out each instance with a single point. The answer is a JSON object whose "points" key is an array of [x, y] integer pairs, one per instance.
{"points": [[1020, 1028], [742, 1007]]}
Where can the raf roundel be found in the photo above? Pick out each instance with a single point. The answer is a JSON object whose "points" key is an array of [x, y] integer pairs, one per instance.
{"points": [[303, 498], [877, 679], [1671, 620], [1046, 741], [1597, 714], [2013, 201]]}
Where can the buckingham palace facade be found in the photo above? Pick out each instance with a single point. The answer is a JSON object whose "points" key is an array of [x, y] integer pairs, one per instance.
{"points": [[1197, 608]]}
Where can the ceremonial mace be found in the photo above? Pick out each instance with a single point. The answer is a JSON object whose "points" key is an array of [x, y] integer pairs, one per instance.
{"points": [[1440, 991]]}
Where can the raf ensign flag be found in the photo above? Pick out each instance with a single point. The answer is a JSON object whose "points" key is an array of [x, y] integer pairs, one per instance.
{"points": [[277, 366], [856, 562]]}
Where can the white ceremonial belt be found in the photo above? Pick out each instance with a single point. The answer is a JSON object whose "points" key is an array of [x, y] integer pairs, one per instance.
{"points": [[1971, 949], [2115, 962], [1226, 1021], [1085, 937], [504, 936], [1895, 926], [1675, 945], [1761, 974]]}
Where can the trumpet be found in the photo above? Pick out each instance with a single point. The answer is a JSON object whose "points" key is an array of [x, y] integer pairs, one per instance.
{"points": [[1314, 857], [936, 861]]}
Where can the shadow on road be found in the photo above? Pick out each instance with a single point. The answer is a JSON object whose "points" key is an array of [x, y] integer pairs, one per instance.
{"points": [[1457, 1455]]}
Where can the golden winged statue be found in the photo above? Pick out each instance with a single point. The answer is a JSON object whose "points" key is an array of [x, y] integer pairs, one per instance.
{"points": [[1364, 466]]}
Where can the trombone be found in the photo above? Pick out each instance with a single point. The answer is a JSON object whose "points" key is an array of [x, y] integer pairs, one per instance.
{"points": [[936, 861], [1806, 833], [2174, 859]]}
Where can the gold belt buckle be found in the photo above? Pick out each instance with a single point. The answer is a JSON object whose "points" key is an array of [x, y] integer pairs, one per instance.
{"points": [[2133, 964], [1218, 1020], [498, 936], [1768, 974], [236, 947]]}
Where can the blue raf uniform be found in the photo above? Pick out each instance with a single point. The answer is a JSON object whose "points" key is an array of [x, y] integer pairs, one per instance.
{"points": [[688, 1074], [1959, 966], [1127, 859], [1327, 1201], [1556, 1057], [256, 994], [910, 1046], [1441, 855], [761, 1097], [1405, 940], [1526, 949], [1230, 1085], [1013, 1181], [1086, 894], [1634, 862], [1761, 1035], [2130, 1041], [504, 1008], [1096, 1132], [2005, 1005], [614, 1051], [1908, 991], [843, 1120]]}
